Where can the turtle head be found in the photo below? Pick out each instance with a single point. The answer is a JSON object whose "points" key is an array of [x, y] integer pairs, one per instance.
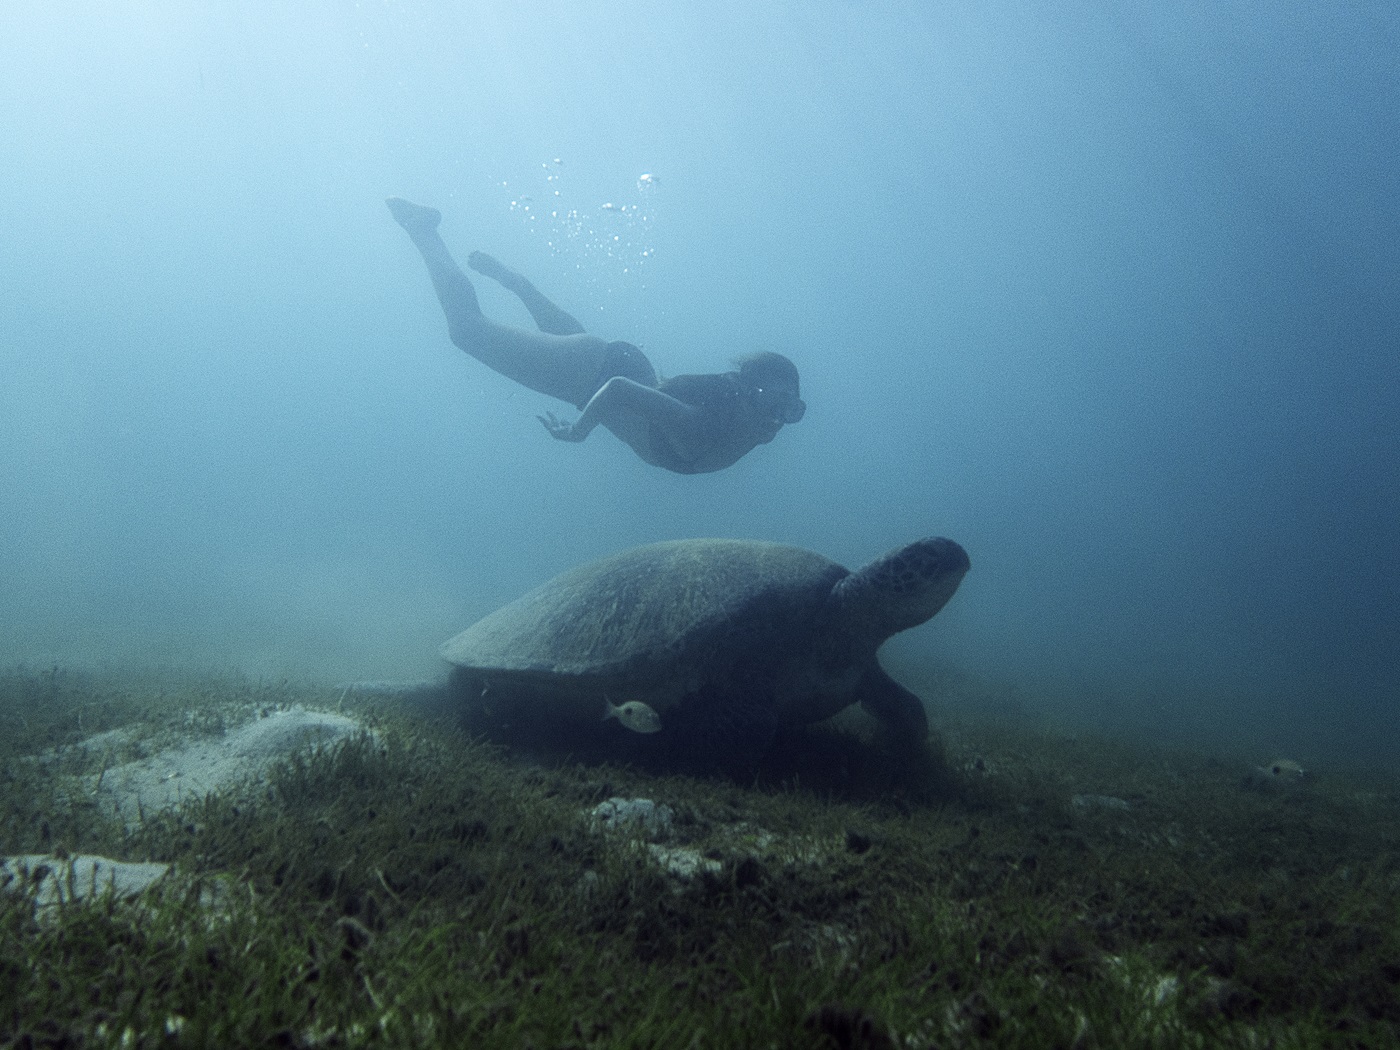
{"points": [[900, 589]]}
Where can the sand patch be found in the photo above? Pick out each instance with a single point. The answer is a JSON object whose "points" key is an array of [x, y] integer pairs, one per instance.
{"points": [[63, 880], [139, 789], [166, 779]]}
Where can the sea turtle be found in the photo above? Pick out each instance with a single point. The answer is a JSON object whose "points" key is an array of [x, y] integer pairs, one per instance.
{"points": [[724, 639]]}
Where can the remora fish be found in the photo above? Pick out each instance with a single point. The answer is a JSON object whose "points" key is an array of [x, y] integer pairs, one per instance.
{"points": [[635, 715]]}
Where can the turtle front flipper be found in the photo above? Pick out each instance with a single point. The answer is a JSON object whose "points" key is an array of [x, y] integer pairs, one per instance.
{"points": [[900, 710]]}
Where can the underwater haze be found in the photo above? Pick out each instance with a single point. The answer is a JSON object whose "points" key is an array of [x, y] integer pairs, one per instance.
{"points": [[1107, 292]]}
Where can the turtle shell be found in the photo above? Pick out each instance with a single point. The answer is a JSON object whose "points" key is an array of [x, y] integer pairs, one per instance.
{"points": [[656, 622]]}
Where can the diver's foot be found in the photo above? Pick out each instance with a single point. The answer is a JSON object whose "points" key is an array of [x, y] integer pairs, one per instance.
{"points": [[490, 266], [413, 216]]}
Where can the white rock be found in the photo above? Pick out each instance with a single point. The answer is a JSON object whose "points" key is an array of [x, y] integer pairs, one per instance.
{"points": [[682, 862], [1086, 802], [633, 816]]}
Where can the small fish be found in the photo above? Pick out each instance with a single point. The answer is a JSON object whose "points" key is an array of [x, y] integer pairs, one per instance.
{"points": [[1282, 774], [635, 715]]}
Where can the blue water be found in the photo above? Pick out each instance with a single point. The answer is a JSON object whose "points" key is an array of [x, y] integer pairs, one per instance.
{"points": [[1108, 293]]}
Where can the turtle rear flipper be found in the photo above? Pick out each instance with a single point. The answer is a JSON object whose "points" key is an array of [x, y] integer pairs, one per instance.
{"points": [[722, 729]]}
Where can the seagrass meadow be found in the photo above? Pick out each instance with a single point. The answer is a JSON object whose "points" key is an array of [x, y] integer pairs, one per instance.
{"points": [[417, 885]]}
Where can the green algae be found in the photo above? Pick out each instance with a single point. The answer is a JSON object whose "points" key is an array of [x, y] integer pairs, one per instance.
{"points": [[414, 886]]}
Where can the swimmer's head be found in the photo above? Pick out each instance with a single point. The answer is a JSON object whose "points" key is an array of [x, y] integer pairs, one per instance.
{"points": [[773, 385]]}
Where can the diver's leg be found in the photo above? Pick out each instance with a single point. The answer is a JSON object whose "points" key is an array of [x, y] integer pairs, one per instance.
{"points": [[454, 291], [562, 366], [548, 316]]}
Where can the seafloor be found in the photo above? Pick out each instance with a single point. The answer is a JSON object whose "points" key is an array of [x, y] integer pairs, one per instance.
{"points": [[412, 886]]}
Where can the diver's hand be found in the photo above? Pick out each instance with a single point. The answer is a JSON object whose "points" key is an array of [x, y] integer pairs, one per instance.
{"points": [[559, 429]]}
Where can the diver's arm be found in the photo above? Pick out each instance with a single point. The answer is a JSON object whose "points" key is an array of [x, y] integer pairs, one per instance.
{"points": [[620, 397]]}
